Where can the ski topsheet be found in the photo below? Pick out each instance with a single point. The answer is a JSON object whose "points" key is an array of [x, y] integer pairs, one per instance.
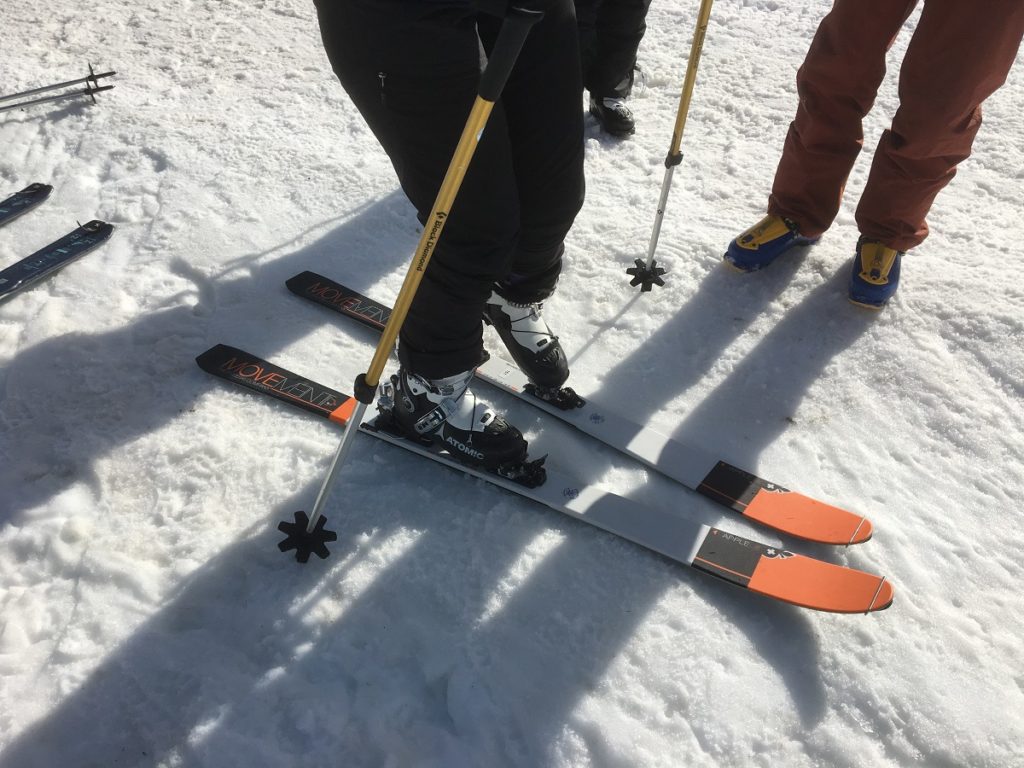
{"points": [[759, 568], [24, 201], [57, 254], [741, 491]]}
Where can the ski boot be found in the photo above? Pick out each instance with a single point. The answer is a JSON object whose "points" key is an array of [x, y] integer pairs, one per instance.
{"points": [[534, 348], [613, 115], [446, 413], [875, 275], [764, 242]]}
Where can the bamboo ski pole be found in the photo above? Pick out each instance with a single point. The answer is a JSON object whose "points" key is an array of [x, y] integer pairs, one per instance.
{"points": [[307, 535]]}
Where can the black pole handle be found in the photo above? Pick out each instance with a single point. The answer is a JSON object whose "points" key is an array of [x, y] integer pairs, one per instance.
{"points": [[514, 29]]}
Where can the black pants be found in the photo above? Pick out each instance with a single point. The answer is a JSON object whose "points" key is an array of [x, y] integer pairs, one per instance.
{"points": [[610, 34], [412, 69]]}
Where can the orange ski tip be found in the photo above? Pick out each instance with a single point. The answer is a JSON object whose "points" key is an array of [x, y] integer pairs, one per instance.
{"points": [[823, 586], [343, 412], [808, 518]]}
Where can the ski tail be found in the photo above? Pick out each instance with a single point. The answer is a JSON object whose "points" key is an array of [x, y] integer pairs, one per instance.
{"points": [[249, 371], [23, 201], [352, 304], [56, 255], [751, 565]]}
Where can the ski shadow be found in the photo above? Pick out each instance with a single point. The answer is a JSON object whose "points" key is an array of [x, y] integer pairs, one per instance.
{"points": [[202, 678], [248, 664], [136, 378], [257, 661], [760, 396], [756, 403]]}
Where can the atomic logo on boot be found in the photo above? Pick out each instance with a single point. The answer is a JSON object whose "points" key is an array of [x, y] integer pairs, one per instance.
{"points": [[469, 450]]}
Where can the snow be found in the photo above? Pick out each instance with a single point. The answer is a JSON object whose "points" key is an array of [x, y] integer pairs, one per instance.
{"points": [[146, 616]]}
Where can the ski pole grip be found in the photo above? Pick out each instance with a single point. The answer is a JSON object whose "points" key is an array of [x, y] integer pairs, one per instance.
{"points": [[514, 30]]}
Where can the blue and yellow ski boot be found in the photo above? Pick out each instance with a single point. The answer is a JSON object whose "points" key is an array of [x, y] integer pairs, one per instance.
{"points": [[875, 275], [764, 242]]}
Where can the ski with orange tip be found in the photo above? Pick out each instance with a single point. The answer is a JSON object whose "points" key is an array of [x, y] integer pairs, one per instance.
{"points": [[743, 492], [756, 567]]}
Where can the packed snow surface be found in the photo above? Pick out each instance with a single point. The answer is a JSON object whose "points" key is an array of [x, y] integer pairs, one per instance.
{"points": [[146, 616]]}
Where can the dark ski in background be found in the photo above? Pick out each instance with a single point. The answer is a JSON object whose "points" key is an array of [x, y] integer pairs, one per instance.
{"points": [[57, 254], [23, 202]]}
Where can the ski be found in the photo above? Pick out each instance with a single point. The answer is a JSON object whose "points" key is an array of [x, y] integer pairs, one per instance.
{"points": [[742, 492], [756, 567], [57, 254], [23, 201]]}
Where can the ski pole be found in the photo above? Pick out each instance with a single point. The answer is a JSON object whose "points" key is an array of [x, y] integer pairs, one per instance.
{"points": [[91, 78], [649, 274], [307, 534], [88, 91], [92, 87]]}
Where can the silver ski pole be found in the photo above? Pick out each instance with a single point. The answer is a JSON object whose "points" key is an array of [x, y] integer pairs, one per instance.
{"points": [[59, 97], [91, 88]]}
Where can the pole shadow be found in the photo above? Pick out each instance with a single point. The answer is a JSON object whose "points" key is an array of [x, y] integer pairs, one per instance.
{"points": [[227, 671], [257, 661]]}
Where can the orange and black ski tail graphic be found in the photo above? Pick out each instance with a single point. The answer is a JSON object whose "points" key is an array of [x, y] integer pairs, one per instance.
{"points": [[352, 304], [266, 378]]}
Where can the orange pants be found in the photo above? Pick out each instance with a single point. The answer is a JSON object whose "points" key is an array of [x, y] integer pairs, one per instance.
{"points": [[959, 55]]}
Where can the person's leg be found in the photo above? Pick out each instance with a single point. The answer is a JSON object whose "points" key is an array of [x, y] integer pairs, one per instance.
{"points": [[959, 55], [620, 26], [545, 129], [412, 70], [837, 83], [611, 35], [586, 24]]}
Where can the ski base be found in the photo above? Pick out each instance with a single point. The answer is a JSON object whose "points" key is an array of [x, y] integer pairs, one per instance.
{"points": [[759, 568]]}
